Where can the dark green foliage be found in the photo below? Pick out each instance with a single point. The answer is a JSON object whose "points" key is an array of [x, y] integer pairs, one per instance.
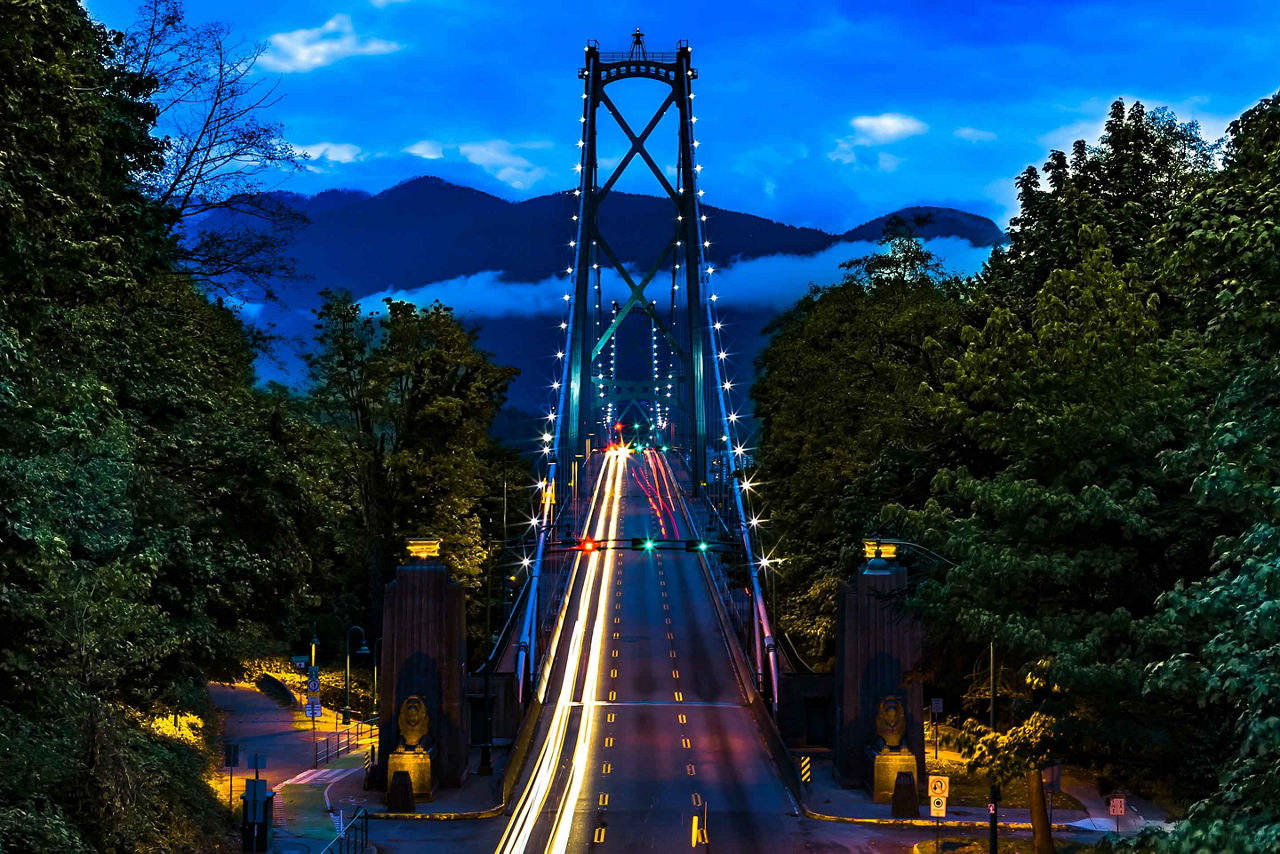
{"points": [[162, 518], [1090, 442], [868, 343], [411, 400]]}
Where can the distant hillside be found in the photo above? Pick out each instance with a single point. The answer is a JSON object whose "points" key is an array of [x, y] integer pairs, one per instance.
{"points": [[428, 230], [940, 222]]}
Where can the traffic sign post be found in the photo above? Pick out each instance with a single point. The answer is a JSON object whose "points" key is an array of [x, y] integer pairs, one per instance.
{"points": [[937, 809], [1116, 807], [939, 787], [231, 755]]}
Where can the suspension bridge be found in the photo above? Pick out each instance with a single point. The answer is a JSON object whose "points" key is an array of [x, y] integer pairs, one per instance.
{"points": [[640, 643]]}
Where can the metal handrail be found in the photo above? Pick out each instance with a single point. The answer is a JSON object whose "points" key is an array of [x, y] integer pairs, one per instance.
{"points": [[343, 741], [347, 841]]}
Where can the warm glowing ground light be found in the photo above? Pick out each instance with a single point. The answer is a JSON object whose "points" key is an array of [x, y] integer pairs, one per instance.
{"points": [[604, 514]]}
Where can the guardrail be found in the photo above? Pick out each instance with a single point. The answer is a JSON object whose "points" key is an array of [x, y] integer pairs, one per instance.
{"points": [[353, 836], [345, 740]]}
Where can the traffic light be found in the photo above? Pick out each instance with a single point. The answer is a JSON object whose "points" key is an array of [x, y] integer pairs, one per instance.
{"points": [[588, 544], [695, 545], [641, 544]]}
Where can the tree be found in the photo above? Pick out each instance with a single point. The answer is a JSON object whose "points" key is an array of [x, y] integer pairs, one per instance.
{"points": [[1224, 252], [827, 460], [413, 399], [151, 504], [217, 149]]}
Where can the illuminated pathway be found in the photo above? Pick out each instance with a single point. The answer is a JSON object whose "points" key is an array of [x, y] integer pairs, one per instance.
{"points": [[665, 735]]}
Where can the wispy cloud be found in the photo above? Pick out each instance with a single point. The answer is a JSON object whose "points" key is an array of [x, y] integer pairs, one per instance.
{"points": [[381, 3], [309, 49], [886, 127], [887, 162], [498, 157], [843, 152], [334, 152], [427, 149], [975, 135]]}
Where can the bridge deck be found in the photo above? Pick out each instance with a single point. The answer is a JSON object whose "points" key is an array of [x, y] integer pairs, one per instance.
{"points": [[666, 735]]}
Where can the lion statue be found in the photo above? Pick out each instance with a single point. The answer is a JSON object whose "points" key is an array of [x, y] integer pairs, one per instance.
{"points": [[891, 722], [415, 723]]}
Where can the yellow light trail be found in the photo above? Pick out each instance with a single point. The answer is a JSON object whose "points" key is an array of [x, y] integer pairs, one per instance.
{"points": [[586, 727], [516, 836]]}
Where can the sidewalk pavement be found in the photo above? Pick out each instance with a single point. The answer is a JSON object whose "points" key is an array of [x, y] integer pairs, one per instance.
{"points": [[478, 794], [824, 795], [261, 724], [1139, 812]]}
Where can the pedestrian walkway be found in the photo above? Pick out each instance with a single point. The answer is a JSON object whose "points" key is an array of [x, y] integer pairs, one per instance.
{"points": [[305, 817], [323, 775]]}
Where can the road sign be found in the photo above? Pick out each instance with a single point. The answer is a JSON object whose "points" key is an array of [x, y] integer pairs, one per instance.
{"points": [[1116, 805], [939, 787], [300, 661], [935, 705], [313, 685], [806, 769], [314, 710], [257, 761], [938, 807]]}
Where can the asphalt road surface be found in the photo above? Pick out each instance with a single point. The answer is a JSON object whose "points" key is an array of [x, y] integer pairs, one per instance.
{"points": [[664, 752]]}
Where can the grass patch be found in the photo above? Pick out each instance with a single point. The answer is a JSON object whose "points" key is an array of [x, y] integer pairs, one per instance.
{"points": [[971, 790]]}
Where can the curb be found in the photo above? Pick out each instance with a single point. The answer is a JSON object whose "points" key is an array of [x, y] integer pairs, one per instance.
{"points": [[930, 822]]}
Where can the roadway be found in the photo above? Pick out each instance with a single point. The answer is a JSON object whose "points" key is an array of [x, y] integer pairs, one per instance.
{"points": [[664, 736]]}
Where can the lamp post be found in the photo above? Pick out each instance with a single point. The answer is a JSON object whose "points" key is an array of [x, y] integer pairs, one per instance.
{"points": [[363, 650], [486, 747], [377, 658], [995, 790], [311, 673]]}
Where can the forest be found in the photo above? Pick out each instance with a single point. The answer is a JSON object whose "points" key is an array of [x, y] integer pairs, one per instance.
{"points": [[1082, 442], [165, 518]]}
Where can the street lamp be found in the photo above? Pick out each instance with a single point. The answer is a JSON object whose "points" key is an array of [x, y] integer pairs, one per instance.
{"points": [[363, 650], [876, 547], [377, 658]]}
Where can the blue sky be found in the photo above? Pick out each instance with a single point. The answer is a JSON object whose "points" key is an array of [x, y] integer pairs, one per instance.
{"points": [[813, 113]]}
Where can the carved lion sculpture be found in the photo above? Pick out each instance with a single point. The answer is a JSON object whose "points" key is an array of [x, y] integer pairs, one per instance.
{"points": [[415, 724], [891, 722]]}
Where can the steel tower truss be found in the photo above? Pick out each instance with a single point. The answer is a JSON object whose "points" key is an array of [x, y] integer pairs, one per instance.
{"points": [[590, 394]]}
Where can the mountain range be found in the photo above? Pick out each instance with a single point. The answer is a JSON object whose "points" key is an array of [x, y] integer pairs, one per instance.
{"points": [[425, 233]]}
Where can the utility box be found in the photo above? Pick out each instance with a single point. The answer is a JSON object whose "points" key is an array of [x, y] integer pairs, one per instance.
{"points": [[257, 815]]}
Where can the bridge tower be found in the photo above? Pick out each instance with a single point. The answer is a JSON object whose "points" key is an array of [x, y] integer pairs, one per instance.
{"points": [[592, 390]]}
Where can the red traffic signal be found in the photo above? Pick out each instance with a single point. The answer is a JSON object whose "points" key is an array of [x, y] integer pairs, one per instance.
{"points": [[588, 544]]}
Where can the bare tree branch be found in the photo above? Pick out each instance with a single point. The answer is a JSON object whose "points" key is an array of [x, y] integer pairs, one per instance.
{"points": [[218, 149]]}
